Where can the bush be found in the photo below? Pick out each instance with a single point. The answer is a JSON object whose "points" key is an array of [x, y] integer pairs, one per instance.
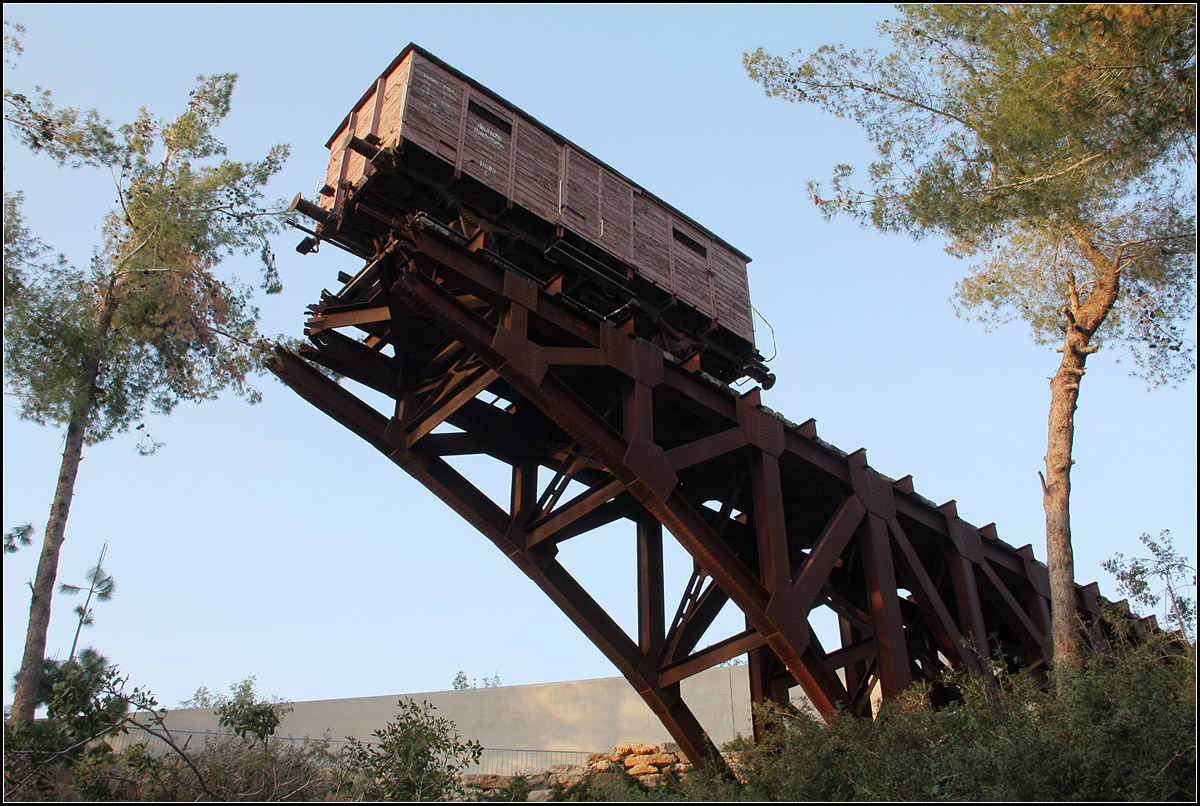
{"points": [[616, 786], [416, 756], [66, 757], [225, 768], [85, 702], [1122, 728]]}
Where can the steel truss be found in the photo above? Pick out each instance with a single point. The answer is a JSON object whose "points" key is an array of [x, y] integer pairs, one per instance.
{"points": [[776, 521]]}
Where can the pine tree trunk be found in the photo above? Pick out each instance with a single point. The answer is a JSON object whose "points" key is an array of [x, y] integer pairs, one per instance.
{"points": [[1064, 398], [1082, 318], [29, 677]]}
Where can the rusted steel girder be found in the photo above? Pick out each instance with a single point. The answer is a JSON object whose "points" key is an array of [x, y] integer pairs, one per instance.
{"points": [[777, 522]]}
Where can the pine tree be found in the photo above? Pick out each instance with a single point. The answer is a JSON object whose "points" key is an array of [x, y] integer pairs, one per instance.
{"points": [[1054, 145], [149, 322]]}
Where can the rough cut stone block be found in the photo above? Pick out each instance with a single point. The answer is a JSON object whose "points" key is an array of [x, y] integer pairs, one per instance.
{"points": [[486, 780], [571, 769], [642, 769], [566, 774], [635, 749], [655, 759]]}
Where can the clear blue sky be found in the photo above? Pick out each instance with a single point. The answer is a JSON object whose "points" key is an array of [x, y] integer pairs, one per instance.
{"points": [[266, 540]]}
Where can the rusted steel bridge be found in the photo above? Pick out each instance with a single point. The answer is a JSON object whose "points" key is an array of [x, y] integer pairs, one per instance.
{"points": [[491, 352], [778, 521]]}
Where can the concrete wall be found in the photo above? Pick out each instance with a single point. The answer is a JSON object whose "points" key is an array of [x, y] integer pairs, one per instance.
{"points": [[581, 715]]}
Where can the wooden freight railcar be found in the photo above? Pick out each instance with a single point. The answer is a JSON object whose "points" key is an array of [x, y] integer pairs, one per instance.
{"points": [[427, 138]]}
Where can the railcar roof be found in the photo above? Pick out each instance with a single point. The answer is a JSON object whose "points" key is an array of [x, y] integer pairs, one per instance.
{"points": [[414, 48]]}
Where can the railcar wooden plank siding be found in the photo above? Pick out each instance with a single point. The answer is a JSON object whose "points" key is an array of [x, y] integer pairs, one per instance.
{"points": [[420, 108]]}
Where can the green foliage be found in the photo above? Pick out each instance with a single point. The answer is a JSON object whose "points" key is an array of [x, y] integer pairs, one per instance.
{"points": [[1121, 728], [84, 702], [1037, 272], [1038, 138], [17, 537], [516, 790], [245, 713], [461, 683], [246, 764], [416, 756], [251, 719], [1165, 574], [101, 585], [150, 308], [148, 322], [617, 786], [222, 769], [231, 770], [12, 42], [1003, 113], [73, 692], [613, 786], [1055, 144], [64, 756], [69, 136], [203, 698]]}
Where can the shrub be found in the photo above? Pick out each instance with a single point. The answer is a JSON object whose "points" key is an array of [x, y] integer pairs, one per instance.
{"points": [[416, 756], [1122, 728], [85, 702], [616, 786], [66, 757]]}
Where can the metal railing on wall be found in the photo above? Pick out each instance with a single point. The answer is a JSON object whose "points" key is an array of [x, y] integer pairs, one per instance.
{"points": [[504, 761], [494, 761]]}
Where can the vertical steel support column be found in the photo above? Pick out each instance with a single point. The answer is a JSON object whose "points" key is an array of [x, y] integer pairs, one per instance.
{"points": [[651, 605]]}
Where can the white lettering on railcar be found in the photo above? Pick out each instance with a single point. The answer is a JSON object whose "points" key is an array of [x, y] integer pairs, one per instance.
{"points": [[492, 136]]}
